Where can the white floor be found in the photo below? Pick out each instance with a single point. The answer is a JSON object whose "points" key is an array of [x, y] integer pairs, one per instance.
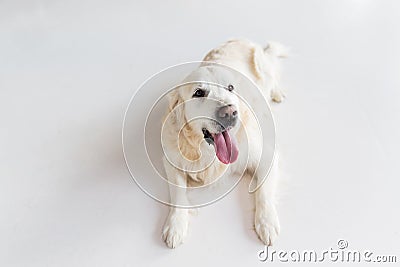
{"points": [[69, 68]]}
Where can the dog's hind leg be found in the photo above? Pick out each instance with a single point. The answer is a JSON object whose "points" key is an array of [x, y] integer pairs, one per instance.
{"points": [[266, 62]]}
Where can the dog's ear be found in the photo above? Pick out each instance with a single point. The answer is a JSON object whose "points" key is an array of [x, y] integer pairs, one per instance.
{"points": [[176, 107]]}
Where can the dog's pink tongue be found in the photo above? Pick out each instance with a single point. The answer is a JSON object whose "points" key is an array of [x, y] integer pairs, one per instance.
{"points": [[226, 147]]}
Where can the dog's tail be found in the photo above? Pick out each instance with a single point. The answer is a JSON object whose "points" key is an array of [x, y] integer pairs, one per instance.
{"points": [[276, 49]]}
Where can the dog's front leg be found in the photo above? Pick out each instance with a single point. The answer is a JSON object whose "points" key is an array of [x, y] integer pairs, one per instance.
{"points": [[176, 226], [266, 222]]}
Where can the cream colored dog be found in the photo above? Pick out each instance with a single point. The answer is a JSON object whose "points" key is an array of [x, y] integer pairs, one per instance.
{"points": [[220, 132]]}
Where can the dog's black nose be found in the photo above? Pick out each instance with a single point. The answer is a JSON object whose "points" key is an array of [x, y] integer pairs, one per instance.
{"points": [[227, 115]]}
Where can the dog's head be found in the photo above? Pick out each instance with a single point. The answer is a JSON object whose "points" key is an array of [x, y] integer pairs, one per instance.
{"points": [[209, 107]]}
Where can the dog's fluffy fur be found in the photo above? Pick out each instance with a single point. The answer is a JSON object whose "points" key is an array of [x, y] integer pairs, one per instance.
{"points": [[261, 65]]}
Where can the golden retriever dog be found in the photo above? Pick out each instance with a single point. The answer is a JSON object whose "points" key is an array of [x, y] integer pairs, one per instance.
{"points": [[207, 120]]}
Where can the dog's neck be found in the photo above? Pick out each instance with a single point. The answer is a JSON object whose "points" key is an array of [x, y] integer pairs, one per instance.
{"points": [[189, 143]]}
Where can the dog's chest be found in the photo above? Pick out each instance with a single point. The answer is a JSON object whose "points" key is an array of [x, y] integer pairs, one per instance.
{"points": [[209, 174]]}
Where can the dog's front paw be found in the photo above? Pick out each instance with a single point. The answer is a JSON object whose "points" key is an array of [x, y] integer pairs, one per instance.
{"points": [[267, 226], [175, 230]]}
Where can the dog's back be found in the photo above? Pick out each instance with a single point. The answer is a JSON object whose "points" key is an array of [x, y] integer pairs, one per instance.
{"points": [[261, 64]]}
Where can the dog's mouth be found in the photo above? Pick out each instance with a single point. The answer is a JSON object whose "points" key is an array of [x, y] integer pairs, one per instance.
{"points": [[224, 143]]}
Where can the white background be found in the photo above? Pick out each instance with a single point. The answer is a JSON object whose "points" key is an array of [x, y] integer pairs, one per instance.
{"points": [[69, 68]]}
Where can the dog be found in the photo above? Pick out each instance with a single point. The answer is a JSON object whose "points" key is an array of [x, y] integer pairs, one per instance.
{"points": [[220, 131]]}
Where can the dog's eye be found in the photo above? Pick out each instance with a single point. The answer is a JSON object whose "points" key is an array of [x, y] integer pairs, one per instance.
{"points": [[230, 88], [199, 93]]}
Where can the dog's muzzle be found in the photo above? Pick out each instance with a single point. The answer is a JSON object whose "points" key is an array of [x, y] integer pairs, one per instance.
{"points": [[224, 142]]}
